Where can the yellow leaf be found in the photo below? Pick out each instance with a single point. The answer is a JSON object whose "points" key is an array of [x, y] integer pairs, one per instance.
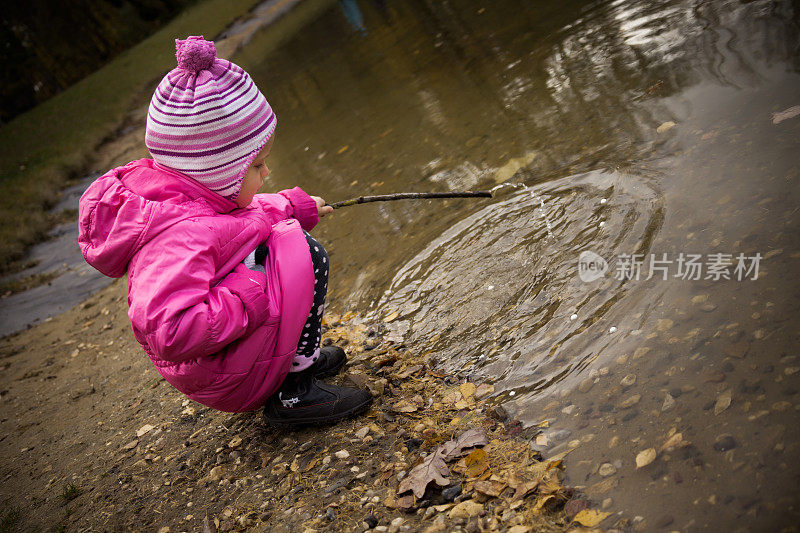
{"points": [[343, 149], [391, 316], [467, 389], [590, 517], [554, 464], [477, 462], [541, 502]]}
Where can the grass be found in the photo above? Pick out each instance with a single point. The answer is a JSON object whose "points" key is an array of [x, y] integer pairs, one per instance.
{"points": [[43, 148]]}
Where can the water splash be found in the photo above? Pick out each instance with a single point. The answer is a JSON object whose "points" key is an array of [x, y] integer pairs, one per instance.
{"points": [[537, 199]]}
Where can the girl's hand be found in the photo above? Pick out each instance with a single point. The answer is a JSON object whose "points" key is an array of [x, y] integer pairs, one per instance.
{"points": [[322, 209]]}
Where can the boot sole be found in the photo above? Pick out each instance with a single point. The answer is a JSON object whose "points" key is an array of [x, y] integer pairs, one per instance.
{"points": [[357, 410]]}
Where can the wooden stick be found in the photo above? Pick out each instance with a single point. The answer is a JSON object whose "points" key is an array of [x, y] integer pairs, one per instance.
{"points": [[411, 196]]}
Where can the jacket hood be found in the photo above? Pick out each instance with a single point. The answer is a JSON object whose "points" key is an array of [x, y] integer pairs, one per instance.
{"points": [[128, 206]]}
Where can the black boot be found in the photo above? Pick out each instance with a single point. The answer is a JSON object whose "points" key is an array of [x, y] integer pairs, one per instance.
{"points": [[330, 361], [302, 400]]}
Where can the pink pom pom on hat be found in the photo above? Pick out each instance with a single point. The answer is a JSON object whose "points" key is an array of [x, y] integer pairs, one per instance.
{"points": [[207, 119]]}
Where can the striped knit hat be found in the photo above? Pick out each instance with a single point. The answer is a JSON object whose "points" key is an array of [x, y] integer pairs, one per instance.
{"points": [[207, 119]]}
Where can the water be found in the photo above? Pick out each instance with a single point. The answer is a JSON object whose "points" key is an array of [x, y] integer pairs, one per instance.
{"points": [[571, 105]]}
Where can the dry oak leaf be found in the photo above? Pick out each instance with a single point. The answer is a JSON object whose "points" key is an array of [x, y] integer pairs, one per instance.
{"points": [[404, 406], [469, 439], [590, 517], [433, 468]]}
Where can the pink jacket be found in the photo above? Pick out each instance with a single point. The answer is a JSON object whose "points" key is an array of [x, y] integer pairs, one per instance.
{"points": [[220, 333]]}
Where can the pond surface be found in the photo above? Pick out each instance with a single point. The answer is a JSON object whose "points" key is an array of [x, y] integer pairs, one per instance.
{"points": [[659, 136]]}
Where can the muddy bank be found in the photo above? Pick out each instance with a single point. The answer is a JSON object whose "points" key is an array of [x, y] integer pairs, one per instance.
{"points": [[93, 438]]}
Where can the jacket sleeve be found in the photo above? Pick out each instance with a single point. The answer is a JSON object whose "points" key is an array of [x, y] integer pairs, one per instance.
{"points": [[179, 314], [290, 203]]}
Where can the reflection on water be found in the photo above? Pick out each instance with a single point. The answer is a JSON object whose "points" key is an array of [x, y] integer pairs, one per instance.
{"points": [[628, 127]]}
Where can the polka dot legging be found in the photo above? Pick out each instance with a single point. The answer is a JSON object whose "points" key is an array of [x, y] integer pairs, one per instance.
{"points": [[308, 347]]}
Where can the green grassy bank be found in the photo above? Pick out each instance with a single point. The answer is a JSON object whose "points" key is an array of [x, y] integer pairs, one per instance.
{"points": [[44, 147]]}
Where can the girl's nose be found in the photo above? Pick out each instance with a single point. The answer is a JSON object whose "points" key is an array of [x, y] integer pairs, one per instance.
{"points": [[264, 172]]}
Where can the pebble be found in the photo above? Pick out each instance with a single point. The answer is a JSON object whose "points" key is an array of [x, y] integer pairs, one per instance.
{"points": [[395, 524], [573, 507], [449, 494], [737, 349], [725, 442], [630, 402], [723, 402], [607, 503], [330, 514], [573, 317], [497, 412], [361, 433], [568, 410], [645, 457], [628, 380], [342, 454], [603, 200], [371, 520], [607, 469], [586, 385], [612, 329], [664, 521], [669, 403]]}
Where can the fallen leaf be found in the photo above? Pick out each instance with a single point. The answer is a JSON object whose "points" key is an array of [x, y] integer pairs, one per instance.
{"points": [[646, 457], [477, 462], [786, 114], [488, 488], [469, 439], [522, 489], [558, 463], [465, 509], [541, 502], [343, 149], [404, 503], [433, 468], [391, 316], [404, 406], [590, 517], [675, 441], [467, 389]]}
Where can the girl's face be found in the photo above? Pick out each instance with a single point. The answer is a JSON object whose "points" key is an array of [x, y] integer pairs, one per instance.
{"points": [[255, 176]]}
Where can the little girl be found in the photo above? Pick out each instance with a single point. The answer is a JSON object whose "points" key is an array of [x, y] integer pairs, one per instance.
{"points": [[225, 287]]}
